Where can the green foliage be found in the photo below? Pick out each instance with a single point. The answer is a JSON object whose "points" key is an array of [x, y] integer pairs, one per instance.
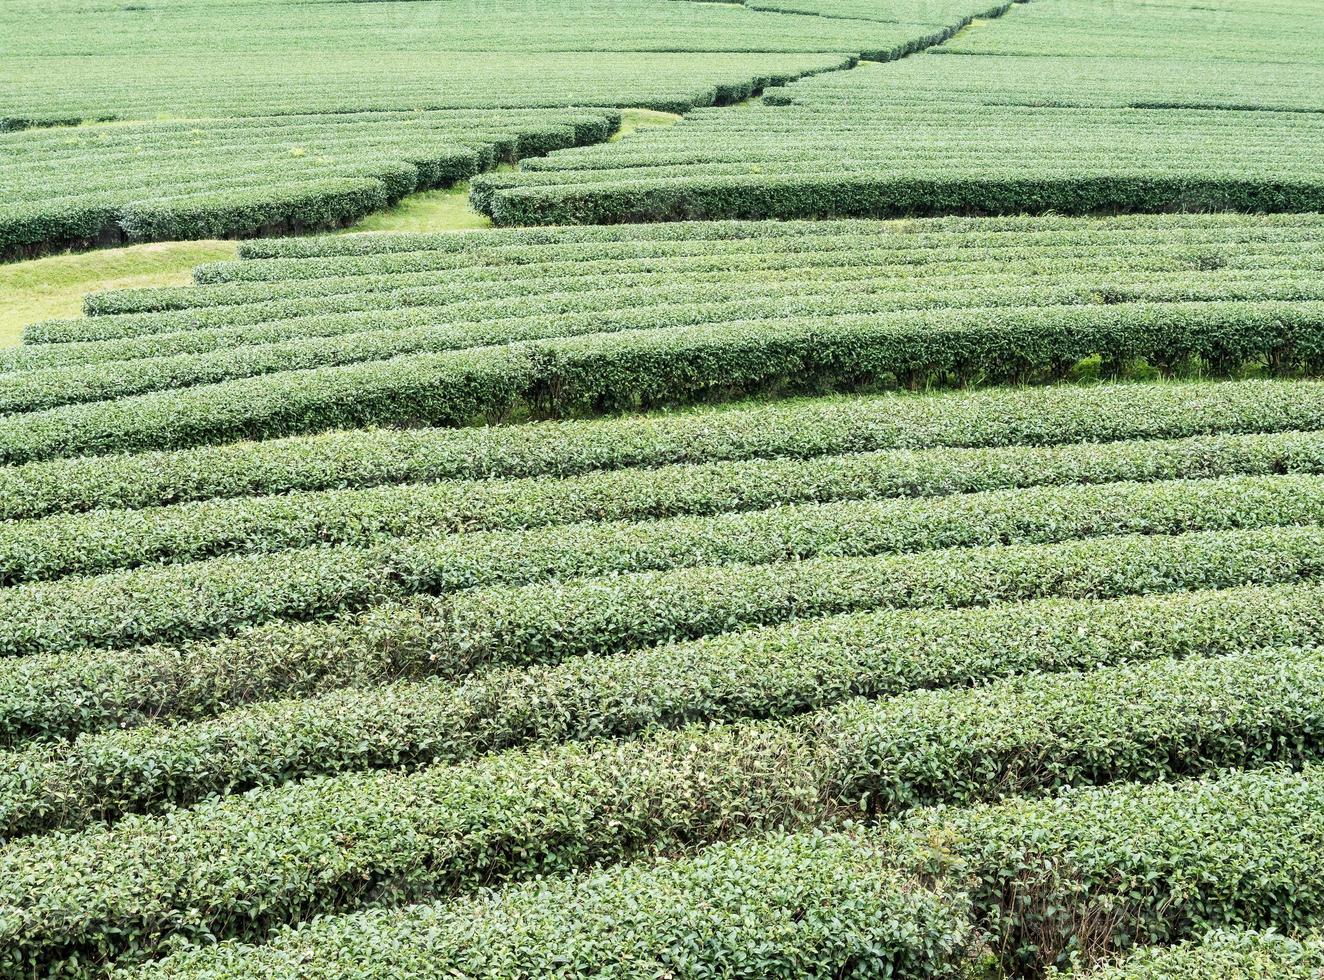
{"points": [[795, 430], [234, 867], [157, 181], [1094, 871], [771, 672], [1170, 859], [363, 109], [614, 371], [1147, 107], [62, 694], [105, 540], [220, 595], [1225, 955], [260, 317], [886, 686], [809, 907]]}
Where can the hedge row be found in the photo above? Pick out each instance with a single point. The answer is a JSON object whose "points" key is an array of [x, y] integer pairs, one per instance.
{"points": [[707, 246], [492, 312], [1226, 955], [772, 672], [58, 695], [217, 596], [942, 138], [658, 367], [401, 326], [1093, 871], [104, 540], [1049, 226], [1166, 860], [927, 243], [239, 866], [881, 195], [811, 906], [799, 429], [339, 339], [590, 283]]}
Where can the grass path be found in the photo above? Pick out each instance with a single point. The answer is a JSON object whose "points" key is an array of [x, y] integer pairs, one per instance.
{"points": [[54, 286], [449, 210]]}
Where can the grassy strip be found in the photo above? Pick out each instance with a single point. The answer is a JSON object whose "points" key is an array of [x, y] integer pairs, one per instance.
{"points": [[605, 372], [1167, 861], [106, 540], [55, 286], [795, 429], [220, 595], [1226, 955], [771, 672], [810, 906], [64, 694], [244, 864]]}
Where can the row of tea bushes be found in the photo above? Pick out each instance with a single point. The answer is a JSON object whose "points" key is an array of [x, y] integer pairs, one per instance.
{"points": [[219, 595], [604, 372], [153, 181], [773, 672], [105, 540], [236, 867], [1151, 859], [980, 419], [61, 694]]}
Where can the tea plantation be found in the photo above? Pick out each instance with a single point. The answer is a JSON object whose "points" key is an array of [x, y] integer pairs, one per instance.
{"points": [[1129, 108], [872, 527]]}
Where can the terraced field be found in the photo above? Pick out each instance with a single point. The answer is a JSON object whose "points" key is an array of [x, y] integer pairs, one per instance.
{"points": [[1053, 106], [399, 663], [378, 100], [818, 598]]}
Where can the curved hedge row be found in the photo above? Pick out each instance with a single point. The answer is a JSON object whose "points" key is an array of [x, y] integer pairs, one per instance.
{"points": [[835, 248], [236, 867], [715, 245], [496, 264], [307, 287], [57, 695], [405, 322], [659, 367], [1151, 863], [794, 429], [772, 672], [843, 191], [38, 389], [972, 135], [105, 540], [290, 80], [1166, 860], [243, 285], [220, 595], [1052, 226]]}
